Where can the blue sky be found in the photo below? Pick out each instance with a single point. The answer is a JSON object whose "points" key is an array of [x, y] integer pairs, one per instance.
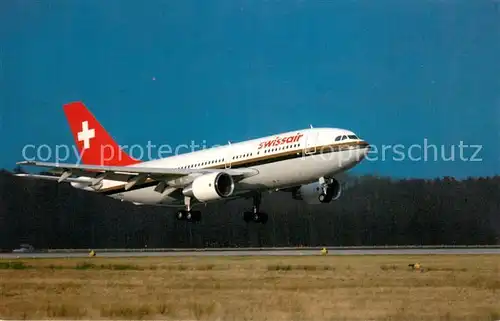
{"points": [[395, 72]]}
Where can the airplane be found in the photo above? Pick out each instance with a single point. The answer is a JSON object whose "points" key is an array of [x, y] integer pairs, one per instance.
{"points": [[305, 163]]}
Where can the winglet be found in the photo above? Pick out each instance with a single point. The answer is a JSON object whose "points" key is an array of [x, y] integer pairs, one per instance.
{"points": [[95, 145]]}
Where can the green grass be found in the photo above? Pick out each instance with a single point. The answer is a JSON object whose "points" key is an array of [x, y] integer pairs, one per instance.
{"points": [[445, 287]]}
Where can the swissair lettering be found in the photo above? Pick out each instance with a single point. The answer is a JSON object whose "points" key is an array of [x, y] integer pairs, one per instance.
{"points": [[280, 141]]}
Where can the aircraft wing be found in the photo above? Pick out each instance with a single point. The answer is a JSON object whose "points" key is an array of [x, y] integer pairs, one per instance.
{"points": [[132, 175], [56, 178]]}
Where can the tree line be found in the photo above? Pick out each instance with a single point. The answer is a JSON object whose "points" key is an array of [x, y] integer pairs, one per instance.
{"points": [[371, 211]]}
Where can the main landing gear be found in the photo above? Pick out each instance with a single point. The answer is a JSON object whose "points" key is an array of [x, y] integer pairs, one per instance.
{"points": [[195, 216], [188, 214], [256, 216]]}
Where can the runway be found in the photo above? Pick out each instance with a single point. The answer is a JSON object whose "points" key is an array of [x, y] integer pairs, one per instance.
{"points": [[294, 252]]}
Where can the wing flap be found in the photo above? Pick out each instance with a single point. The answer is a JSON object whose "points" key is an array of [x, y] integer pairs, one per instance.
{"points": [[131, 175], [56, 178]]}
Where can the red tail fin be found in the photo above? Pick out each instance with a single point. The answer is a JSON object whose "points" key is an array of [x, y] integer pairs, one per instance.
{"points": [[95, 145]]}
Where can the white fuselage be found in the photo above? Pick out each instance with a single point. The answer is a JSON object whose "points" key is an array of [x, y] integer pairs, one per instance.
{"points": [[301, 158]]}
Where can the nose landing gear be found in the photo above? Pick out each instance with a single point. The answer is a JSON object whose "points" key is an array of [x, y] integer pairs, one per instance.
{"points": [[326, 194]]}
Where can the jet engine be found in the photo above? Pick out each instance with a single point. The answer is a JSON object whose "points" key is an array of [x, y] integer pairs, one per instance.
{"points": [[210, 187], [314, 193]]}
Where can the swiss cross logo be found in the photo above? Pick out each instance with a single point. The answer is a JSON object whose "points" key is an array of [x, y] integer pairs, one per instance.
{"points": [[86, 135]]}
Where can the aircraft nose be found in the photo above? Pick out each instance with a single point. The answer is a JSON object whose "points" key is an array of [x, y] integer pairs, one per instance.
{"points": [[365, 146]]}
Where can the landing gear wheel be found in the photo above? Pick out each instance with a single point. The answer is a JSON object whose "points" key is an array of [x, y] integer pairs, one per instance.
{"points": [[190, 216], [326, 195], [255, 217]]}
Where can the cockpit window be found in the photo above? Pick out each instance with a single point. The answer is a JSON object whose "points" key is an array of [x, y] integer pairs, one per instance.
{"points": [[344, 137]]}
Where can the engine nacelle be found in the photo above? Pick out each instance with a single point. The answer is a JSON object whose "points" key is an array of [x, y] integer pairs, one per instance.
{"points": [[210, 187], [313, 193]]}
